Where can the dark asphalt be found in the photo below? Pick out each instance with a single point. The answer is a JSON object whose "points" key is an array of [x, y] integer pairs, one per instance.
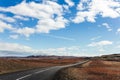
{"points": [[36, 74]]}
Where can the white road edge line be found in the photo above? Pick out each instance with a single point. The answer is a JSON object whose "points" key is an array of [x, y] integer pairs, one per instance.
{"points": [[35, 73], [43, 70], [24, 77], [46, 70]]}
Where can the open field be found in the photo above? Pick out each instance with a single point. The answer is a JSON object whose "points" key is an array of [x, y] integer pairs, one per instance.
{"points": [[17, 64], [93, 70]]}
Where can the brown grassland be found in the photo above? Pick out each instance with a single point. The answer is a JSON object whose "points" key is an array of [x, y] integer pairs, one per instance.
{"points": [[11, 65], [93, 70]]}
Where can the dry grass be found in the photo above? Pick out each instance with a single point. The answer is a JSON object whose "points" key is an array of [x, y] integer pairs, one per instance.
{"points": [[12, 65], [93, 70], [102, 70]]}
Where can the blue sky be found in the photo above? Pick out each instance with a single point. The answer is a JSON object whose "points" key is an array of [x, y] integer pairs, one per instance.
{"points": [[59, 27]]}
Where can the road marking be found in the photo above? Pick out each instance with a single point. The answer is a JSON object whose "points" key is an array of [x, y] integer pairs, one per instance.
{"points": [[24, 77], [43, 70], [49, 69], [34, 73]]}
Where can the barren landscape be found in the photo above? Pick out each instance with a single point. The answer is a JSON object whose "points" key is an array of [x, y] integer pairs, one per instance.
{"points": [[8, 65], [106, 67], [95, 69], [59, 39]]}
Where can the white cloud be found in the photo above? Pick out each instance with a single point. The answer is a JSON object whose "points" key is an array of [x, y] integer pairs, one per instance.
{"points": [[118, 31], [14, 47], [61, 37], [18, 49], [101, 47], [95, 38], [100, 43], [107, 26], [45, 25], [26, 31], [14, 36], [4, 26], [7, 19], [66, 7], [70, 2], [62, 51], [49, 15], [36, 10], [21, 17], [89, 9]]}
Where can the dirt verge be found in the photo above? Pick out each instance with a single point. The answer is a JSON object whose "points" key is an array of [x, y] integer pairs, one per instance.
{"points": [[93, 70]]}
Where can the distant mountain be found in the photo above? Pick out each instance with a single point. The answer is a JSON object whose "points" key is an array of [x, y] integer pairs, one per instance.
{"points": [[111, 57], [50, 56]]}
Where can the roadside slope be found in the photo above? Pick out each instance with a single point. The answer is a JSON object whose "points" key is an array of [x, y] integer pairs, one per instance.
{"points": [[93, 70]]}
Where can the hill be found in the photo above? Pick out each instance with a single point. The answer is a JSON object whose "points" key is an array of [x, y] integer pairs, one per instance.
{"points": [[111, 57]]}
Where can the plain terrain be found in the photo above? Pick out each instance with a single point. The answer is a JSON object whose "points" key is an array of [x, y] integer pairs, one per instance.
{"points": [[106, 67], [93, 70], [8, 65]]}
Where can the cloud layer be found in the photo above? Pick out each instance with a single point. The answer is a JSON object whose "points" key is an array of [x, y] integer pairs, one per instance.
{"points": [[88, 10], [48, 13], [17, 49], [100, 43], [51, 15]]}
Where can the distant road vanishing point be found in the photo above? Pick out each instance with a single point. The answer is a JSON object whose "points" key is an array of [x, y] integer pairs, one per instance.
{"points": [[36, 74]]}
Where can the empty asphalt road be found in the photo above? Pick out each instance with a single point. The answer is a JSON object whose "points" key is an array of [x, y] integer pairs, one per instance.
{"points": [[36, 74]]}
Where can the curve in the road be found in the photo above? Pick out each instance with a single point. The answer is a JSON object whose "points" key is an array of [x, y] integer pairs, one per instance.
{"points": [[36, 74]]}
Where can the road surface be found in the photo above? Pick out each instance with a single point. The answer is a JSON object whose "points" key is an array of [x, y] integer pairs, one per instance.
{"points": [[36, 74]]}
